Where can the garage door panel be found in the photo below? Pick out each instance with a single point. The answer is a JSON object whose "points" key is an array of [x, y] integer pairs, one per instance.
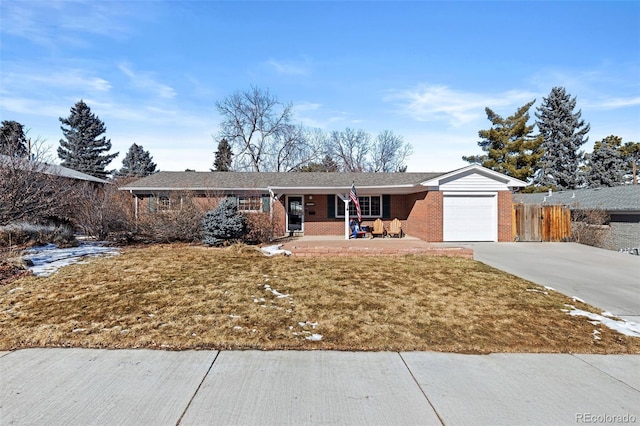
{"points": [[470, 217]]}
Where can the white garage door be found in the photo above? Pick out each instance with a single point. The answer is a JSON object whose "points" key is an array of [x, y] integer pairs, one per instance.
{"points": [[470, 218]]}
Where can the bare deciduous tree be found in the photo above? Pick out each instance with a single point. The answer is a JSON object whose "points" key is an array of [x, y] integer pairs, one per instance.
{"points": [[389, 153], [30, 192], [261, 132], [351, 149]]}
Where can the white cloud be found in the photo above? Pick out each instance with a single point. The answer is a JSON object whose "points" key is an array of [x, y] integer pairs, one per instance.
{"points": [[612, 103], [441, 103], [67, 78], [30, 106], [50, 22], [146, 82], [288, 67]]}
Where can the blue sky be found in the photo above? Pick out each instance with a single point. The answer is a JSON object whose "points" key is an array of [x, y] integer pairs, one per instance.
{"points": [[152, 71]]}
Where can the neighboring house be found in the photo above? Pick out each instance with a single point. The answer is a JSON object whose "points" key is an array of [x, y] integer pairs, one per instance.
{"points": [[57, 170], [621, 203], [51, 169], [469, 204]]}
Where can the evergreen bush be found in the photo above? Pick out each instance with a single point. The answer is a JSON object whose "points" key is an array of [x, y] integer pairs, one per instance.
{"points": [[223, 225]]}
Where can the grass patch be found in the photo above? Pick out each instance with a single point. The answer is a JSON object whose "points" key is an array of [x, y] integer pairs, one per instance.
{"points": [[185, 297]]}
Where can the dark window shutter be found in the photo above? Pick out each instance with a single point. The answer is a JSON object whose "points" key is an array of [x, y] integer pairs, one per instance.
{"points": [[331, 206], [386, 206], [266, 205]]}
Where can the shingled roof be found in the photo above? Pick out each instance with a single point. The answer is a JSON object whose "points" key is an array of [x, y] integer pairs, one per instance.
{"points": [[615, 199], [52, 169], [229, 181]]}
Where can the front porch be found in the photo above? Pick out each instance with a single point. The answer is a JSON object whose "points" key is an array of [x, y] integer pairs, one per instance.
{"points": [[338, 246]]}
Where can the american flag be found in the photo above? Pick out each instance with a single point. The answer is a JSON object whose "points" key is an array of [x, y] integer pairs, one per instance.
{"points": [[353, 195]]}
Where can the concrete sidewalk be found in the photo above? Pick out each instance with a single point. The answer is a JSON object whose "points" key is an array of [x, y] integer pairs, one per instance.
{"points": [[144, 387]]}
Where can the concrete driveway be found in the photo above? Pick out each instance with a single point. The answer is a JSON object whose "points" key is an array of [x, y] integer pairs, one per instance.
{"points": [[603, 278]]}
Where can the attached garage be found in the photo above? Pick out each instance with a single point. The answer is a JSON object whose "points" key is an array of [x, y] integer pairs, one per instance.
{"points": [[475, 205], [470, 217]]}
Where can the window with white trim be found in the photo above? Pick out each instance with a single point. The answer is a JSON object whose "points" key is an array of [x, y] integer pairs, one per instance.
{"points": [[162, 203], [370, 206], [249, 203]]}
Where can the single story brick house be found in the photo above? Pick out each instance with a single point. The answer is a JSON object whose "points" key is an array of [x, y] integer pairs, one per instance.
{"points": [[468, 204], [621, 203]]}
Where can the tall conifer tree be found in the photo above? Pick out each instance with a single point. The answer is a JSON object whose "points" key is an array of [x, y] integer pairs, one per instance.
{"points": [[137, 162], [605, 166], [563, 132], [13, 141], [83, 147], [222, 162], [510, 146]]}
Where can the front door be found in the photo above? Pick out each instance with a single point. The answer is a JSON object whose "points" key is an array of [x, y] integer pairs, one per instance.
{"points": [[295, 213]]}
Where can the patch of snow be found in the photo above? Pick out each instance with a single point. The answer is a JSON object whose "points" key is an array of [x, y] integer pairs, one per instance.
{"points": [[13, 290], [607, 314], [549, 288], [274, 250], [535, 290], [627, 328], [314, 337], [275, 292], [312, 324], [49, 258], [577, 299]]}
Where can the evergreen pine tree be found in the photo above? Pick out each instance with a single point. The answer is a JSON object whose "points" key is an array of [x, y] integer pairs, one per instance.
{"points": [[563, 132], [222, 162], [13, 141], [137, 162], [224, 224], [510, 147], [82, 147], [605, 166]]}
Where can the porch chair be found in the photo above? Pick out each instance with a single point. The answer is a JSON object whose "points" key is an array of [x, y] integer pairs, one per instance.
{"points": [[378, 229], [395, 229]]}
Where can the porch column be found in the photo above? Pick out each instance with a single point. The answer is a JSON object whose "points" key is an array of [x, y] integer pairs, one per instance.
{"points": [[347, 229]]}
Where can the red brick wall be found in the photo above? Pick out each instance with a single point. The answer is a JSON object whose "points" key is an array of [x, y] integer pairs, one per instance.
{"points": [[420, 214], [505, 206], [425, 216], [316, 221]]}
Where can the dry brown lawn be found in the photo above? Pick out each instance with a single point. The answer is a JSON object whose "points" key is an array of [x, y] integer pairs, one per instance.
{"points": [[187, 297]]}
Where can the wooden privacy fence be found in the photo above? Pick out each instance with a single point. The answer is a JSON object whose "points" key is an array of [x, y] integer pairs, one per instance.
{"points": [[535, 222]]}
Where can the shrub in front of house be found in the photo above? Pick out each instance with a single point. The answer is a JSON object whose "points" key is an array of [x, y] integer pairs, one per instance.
{"points": [[26, 234], [260, 228], [180, 223], [224, 225], [591, 227]]}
